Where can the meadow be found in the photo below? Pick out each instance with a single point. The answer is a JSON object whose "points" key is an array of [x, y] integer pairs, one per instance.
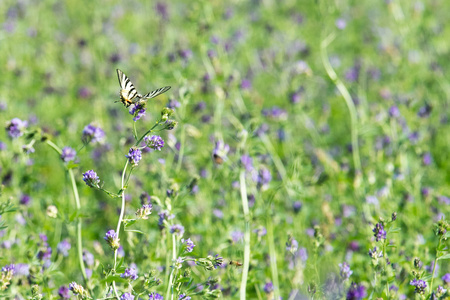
{"points": [[302, 151]]}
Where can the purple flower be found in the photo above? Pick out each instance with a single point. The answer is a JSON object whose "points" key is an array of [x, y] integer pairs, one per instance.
{"points": [[217, 261], [173, 104], [420, 285], [144, 211], [92, 134], [356, 292], [130, 273], [164, 216], [427, 159], [161, 9], [154, 142], [268, 287], [134, 156], [84, 92], [263, 177], [25, 199], [63, 248], [112, 240], [68, 154], [220, 152], [424, 111], [2, 146], [237, 236], [138, 111], [177, 229], [16, 127], [155, 296], [91, 179], [189, 245], [297, 206], [394, 112], [345, 270], [88, 258], [379, 232], [446, 279], [292, 245], [341, 23], [126, 296], [77, 289], [22, 270], [184, 297], [63, 292], [247, 162], [246, 84], [260, 232], [296, 97]]}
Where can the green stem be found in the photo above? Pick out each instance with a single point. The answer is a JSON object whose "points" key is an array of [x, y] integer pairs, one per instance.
{"points": [[181, 152], [348, 100], [78, 208], [245, 209], [385, 271], [174, 257], [273, 258], [434, 266]]}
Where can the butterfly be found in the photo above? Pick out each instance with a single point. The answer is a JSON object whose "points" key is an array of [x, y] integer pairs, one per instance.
{"points": [[128, 93]]}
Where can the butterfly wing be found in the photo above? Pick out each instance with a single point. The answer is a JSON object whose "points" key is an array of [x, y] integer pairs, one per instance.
{"points": [[155, 93], [127, 92]]}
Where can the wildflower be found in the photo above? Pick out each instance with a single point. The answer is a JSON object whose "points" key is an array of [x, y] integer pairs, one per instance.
{"points": [[25, 199], [356, 292], [52, 211], [84, 92], [247, 162], [164, 216], [68, 154], [77, 289], [28, 149], [189, 245], [341, 23], [420, 285], [177, 229], [92, 134], [6, 276], [345, 271], [446, 279], [134, 156], [22, 270], [425, 111], [268, 287], [178, 263], [297, 206], [173, 104], [63, 292], [155, 296], [291, 245], [126, 296], [440, 291], [112, 240], [170, 124], [260, 232], [184, 297], [130, 273], [394, 112], [91, 179], [237, 236], [154, 142], [144, 211], [16, 127], [220, 152], [379, 232], [262, 178], [427, 159], [138, 111], [246, 84], [88, 258], [63, 248]]}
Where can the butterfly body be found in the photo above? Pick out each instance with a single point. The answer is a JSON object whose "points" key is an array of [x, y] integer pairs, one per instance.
{"points": [[129, 95]]}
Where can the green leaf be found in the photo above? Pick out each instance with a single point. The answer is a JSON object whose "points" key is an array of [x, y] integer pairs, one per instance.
{"points": [[394, 230], [446, 256]]}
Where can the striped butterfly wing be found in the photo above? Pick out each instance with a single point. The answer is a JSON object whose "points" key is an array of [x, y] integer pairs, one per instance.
{"points": [[127, 92], [155, 93]]}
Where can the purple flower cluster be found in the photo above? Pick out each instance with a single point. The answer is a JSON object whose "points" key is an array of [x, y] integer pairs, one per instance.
{"points": [[16, 127], [126, 296], [144, 211], [68, 154], [154, 142], [63, 248], [177, 229], [268, 287], [420, 285], [356, 292], [345, 270], [138, 111], [134, 156], [155, 296], [63, 292], [379, 232], [275, 113], [220, 152], [92, 134], [130, 273], [189, 245], [91, 179], [184, 297], [262, 178], [112, 240]]}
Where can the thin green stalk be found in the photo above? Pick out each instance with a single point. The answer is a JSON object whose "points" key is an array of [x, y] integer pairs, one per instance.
{"points": [[385, 271], [246, 264], [434, 266], [181, 152], [78, 208], [348, 100], [174, 257], [273, 258]]}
